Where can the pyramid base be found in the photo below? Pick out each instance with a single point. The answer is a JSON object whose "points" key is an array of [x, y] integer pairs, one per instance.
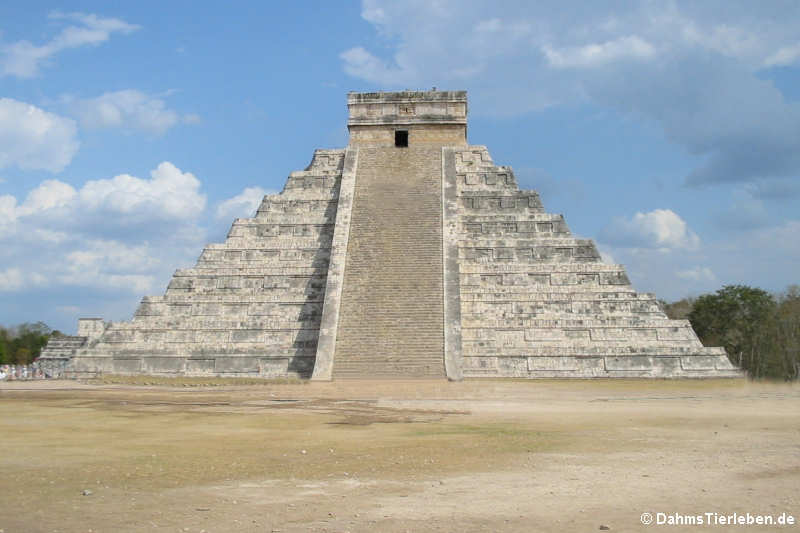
{"points": [[704, 366], [228, 366]]}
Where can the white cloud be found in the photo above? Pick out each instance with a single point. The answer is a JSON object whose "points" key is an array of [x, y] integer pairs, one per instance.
{"points": [[765, 257], [8, 212], [112, 264], [436, 42], [661, 229], [692, 68], [243, 204], [784, 57], [34, 139], [128, 109], [360, 63], [15, 279], [96, 279], [24, 59], [697, 274], [51, 194], [49, 236], [598, 54], [169, 193], [124, 233], [114, 256], [431, 38], [11, 279]]}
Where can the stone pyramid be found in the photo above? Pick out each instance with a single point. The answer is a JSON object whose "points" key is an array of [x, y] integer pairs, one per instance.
{"points": [[407, 254]]}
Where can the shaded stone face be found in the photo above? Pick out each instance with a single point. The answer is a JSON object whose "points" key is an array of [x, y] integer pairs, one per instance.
{"points": [[407, 254]]}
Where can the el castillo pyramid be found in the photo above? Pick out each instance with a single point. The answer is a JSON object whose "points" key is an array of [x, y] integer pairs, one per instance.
{"points": [[407, 254]]}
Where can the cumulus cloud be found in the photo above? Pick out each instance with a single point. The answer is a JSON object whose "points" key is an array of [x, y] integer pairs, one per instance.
{"points": [[697, 274], [96, 264], [123, 233], [661, 229], [435, 42], [8, 212], [360, 63], [111, 264], [785, 56], [693, 68], [24, 59], [598, 54], [128, 109], [741, 258], [34, 139], [14, 279], [170, 193], [242, 205], [50, 194], [742, 125], [11, 279]]}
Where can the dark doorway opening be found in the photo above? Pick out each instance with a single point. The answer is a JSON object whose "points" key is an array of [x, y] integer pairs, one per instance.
{"points": [[401, 138]]}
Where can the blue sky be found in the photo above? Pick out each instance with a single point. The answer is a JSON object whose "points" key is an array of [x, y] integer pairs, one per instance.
{"points": [[131, 135]]}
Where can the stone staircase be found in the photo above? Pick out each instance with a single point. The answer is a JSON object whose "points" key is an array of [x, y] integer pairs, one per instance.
{"points": [[537, 302], [250, 306], [62, 347], [58, 352], [391, 321]]}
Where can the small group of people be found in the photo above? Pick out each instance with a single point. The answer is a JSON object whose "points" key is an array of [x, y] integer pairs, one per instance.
{"points": [[21, 372]]}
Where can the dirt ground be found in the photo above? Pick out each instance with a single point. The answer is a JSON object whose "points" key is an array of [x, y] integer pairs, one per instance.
{"points": [[394, 456]]}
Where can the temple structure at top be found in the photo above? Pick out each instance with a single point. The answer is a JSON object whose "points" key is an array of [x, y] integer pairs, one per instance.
{"points": [[407, 254]]}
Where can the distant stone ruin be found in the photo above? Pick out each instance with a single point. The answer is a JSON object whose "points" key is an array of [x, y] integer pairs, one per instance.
{"points": [[407, 254]]}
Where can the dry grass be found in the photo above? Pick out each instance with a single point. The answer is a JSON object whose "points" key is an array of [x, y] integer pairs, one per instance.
{"points": [[220, 455]]}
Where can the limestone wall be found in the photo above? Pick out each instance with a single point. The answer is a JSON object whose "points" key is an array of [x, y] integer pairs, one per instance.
{"points": [[438, 134], [251, 306], [407, 107], [535, 301]]}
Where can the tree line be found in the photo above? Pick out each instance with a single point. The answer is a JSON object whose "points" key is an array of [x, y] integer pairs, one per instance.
{"points": [[20, 345], [760, 331]]}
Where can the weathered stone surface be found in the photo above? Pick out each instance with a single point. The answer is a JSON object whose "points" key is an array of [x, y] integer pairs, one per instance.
{"points": [[403, 255], [391, 319], [537, 302], [250, 306]]}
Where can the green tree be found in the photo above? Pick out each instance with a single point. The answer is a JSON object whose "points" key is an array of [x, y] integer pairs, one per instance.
{"points": [[23, 356], [22, 344], [5, 357], [678, 310], [787, 333], [737, 317]]}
